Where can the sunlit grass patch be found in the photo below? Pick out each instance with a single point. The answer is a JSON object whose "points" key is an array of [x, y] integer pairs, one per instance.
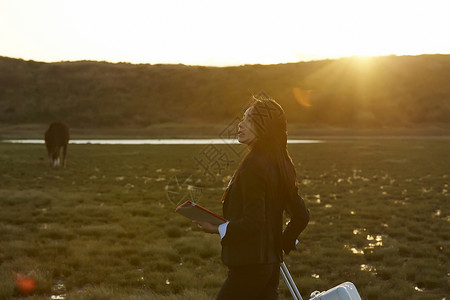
{"points": [[6, 284], [52, 231], [173, 231]]}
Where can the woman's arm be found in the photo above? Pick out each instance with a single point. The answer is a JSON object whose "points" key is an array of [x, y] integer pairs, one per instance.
{"points": [[299, 220], [207, 227], [211, 228]]}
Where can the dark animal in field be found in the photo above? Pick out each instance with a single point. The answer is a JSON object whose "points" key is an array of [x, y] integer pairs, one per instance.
{"points": [[57, 138]]}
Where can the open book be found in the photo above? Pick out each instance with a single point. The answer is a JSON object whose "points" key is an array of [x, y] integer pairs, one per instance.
{"points": [[195, 212]]}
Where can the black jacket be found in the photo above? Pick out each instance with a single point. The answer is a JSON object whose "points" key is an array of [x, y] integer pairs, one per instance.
{"points": [[255, 211]]}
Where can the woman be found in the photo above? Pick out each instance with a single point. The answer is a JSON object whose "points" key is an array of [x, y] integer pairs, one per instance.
{"points": [[264, 185]]}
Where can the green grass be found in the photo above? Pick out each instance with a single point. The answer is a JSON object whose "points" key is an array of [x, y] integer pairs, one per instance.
{"points": [[105, 227]]}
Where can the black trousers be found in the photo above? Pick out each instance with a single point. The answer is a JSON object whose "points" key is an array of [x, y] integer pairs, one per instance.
{"points": [[258, 282]]}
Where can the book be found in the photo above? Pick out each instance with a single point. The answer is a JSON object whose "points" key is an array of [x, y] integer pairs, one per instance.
{"points": [[197, 213]]}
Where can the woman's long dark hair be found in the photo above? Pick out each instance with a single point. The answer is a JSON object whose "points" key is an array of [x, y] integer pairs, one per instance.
{"points": [[269, 124]]}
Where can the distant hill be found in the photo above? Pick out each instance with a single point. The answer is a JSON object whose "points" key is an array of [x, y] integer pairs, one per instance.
{"points": [[348, 92]]}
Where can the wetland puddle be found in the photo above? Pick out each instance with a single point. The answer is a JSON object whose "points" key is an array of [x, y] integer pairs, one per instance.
{"points": [[58, 290], [373, 241], [152, 141]]}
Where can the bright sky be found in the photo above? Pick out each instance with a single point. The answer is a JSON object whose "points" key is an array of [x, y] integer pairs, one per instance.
{"points": [[231, 32]]}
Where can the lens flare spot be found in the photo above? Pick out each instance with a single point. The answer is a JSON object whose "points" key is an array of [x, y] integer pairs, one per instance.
{"points": [[302, 96], [25, 284]]}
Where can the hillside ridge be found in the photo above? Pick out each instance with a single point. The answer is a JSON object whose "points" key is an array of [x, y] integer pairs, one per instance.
{"points": [[385, 91]]}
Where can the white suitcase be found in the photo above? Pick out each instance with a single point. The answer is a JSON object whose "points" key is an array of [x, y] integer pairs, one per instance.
{"points": [[344, 291]]}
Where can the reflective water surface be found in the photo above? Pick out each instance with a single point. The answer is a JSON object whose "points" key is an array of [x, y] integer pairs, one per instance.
{"points": [[152, 141], [58, 290]]}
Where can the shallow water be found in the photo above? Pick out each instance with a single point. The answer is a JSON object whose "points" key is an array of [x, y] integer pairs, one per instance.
{"points": [[152, 141], [58, 290]]}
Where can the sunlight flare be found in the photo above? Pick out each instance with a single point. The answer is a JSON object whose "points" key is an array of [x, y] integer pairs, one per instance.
{"points": [[302, 96]]}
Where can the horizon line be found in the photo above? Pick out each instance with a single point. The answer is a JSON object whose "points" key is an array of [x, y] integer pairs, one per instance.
{"points": [[221, 66]]}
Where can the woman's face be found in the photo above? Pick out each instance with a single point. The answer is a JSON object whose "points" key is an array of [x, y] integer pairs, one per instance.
{"points": [[246, 132]]}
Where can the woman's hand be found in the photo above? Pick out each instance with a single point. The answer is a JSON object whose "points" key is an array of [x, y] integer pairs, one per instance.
{"points": [[207, 227]]}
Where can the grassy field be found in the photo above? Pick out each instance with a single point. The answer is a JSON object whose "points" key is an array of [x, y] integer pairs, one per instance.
{"points": [[105, 227]]}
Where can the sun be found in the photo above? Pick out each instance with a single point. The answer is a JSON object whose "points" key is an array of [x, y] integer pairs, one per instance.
{"points": [[367, 28]]}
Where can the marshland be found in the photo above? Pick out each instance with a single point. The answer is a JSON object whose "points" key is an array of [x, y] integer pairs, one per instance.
{"points": [[105, 227]]}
